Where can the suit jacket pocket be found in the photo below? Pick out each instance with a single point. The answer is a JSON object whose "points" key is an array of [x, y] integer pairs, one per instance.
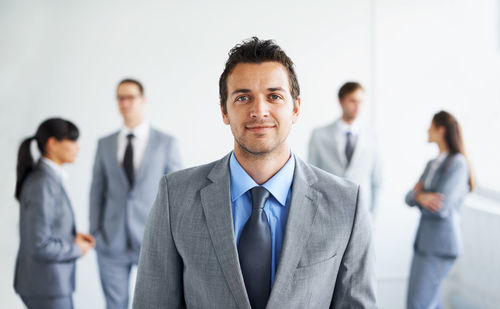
{"points": [[310, 259], [315, 268]]}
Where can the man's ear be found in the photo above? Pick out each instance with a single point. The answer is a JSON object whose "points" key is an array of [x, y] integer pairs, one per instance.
{"points": [[296, 110], [224, 115]]}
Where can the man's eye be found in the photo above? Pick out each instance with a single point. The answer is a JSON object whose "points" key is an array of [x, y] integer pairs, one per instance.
{"points": [[275, 97], [242, 98]]}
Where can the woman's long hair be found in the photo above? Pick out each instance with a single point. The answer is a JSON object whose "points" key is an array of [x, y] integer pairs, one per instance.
{"points": [[453, 138], [54, 127]]}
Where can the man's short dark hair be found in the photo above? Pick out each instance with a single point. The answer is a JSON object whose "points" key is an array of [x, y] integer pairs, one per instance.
{"points": [[132, 81], [257, 51], [348, 88]]}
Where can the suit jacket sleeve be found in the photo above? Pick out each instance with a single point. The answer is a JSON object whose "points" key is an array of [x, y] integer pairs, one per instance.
{"points": [[159, 277], [40, 215], [313, 155], [450, 185], [376, 181], [97, 192], [355, 285], [410, 196], [174, 162]]}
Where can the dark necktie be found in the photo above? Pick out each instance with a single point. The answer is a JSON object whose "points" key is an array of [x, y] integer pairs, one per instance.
{"points": [[255, 251], [128, 160], [349, 147]]}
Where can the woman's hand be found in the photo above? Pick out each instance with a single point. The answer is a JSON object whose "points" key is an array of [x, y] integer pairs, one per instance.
{"points": [[418, 187], [85, 242], [430, 200]]}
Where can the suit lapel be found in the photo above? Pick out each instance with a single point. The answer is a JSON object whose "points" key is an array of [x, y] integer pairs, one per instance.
{"points": [[68, 203], [216, 202], [358, 151], [147, 155], [303, 207], [113, 157], [58, 179], [439, 172], [339, 146]]}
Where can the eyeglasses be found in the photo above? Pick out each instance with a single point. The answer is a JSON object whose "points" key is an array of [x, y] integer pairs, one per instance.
{"points": [[127, 97]]}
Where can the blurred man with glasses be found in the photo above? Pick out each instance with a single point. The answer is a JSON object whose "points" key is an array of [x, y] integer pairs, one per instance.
{"points": [[128, 166]]}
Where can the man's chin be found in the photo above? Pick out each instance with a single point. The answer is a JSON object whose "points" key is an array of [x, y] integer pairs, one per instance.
{"points": [[257, 150]]}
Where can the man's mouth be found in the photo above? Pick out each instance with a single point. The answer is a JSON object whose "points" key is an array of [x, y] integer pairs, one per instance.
{"points": [[262, 128]]}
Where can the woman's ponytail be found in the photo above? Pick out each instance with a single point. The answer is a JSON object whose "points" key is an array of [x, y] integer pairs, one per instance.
{"points": [[25, 164]]}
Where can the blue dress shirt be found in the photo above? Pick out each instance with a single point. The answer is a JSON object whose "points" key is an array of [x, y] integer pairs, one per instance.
{"points": [[276, 206]]}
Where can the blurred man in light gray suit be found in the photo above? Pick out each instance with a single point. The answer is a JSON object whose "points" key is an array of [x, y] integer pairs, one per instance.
{"points": [[347, 149], [128, 166], [258, 228]]}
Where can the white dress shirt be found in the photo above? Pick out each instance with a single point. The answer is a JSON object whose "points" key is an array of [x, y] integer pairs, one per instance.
{"points": [[139, 143], [344, 127], [434, 166], [58, 169]]}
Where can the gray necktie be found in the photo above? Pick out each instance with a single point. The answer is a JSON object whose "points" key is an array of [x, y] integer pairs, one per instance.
{"points": [[349, 147], [255, 251]]}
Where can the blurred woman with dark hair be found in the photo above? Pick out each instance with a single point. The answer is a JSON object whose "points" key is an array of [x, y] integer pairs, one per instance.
{"points": [[438, 194], [50, 245]]}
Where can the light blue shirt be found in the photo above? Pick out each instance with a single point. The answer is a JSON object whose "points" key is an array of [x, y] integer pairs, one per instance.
{"points": [[276, 206]]}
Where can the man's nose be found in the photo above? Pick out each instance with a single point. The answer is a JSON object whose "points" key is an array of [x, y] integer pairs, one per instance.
{"points": [[260, 108]]}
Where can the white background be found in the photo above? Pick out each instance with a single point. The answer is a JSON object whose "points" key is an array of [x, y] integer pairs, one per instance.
{"points": [[64, 58]]}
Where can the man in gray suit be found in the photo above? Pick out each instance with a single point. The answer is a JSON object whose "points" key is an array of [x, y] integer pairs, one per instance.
{"points": [[128, 166], [258, 228], [347, 149]]}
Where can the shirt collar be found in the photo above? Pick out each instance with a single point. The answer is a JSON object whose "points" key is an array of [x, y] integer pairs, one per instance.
{"points": [[56, 168], [141, 131], [279, 185], [345, 127], [441, 157]]}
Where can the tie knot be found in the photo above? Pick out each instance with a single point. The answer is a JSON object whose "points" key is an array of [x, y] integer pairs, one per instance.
{"points": [[130, 136], [259, 197], [349, 133]]}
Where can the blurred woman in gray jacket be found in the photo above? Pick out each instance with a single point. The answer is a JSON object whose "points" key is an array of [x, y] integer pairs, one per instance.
{"points": [[438, 195], [45, 266]]}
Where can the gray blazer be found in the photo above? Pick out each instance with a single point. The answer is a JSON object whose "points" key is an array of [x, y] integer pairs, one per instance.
{"points": [[439, 232], [116, 209], [45, 265], [365, 168], [189, 257]]}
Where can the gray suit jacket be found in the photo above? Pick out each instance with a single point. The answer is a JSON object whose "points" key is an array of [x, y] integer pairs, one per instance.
{"points": [[439, 232], [189, 257], [116, 210], [365, 168], [45, 265]]}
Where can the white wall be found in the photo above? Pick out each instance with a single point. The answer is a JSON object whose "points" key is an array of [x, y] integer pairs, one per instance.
{"points": [[474, 281], [414, 57]]}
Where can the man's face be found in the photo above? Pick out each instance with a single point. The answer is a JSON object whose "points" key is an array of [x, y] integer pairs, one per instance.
{"points": [[351, 104], [260, 108], [130, 100]]}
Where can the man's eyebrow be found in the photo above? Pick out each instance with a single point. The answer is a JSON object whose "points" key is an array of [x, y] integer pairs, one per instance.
{"points": [[240, 91], [275, 89]]}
